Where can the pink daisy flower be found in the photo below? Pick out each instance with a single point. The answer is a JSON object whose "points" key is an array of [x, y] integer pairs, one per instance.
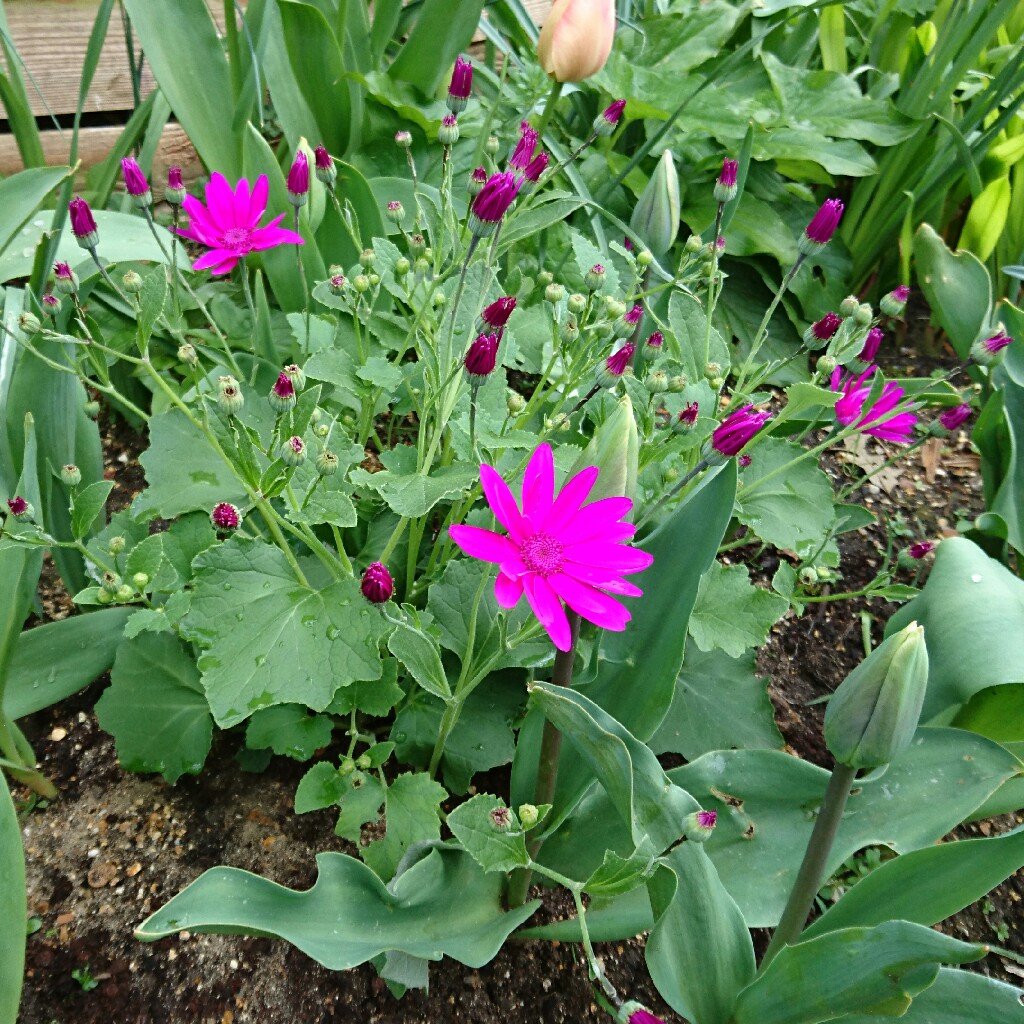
{"points": [[229, 223], [557, 548], [876, 419]]}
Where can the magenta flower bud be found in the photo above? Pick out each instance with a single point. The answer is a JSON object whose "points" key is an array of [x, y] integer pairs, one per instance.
{"points": [[744, 460], [919, 550], [448, 133], [536, 167], [990, 350], [18, 505], [953, 419], [326, 172], [698, 826], [282, 394], [736, 430], [293, 452], [174, 193], [892, 304], [501, 819], [492, 203], [725, 187], [871, 345], [656, 340], [607, 121], [633, 1012], [634, 315], [823, 226], [822, 331], [298, 180], [50, 304], [83, 224], [403, 139], [482, 357], [135, 183], [686, 419], [377, 585], [225, 517], [525, 147], [594, 277], [498, 312], [610, 372], [477, 180], [461, 86]]}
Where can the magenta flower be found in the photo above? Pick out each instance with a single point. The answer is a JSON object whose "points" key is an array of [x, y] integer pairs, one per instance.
{"points": [[523, 153], [377, 585], [18, 505], [733, 433], [900, 293], [953, 419], [498, 312], [461, 86], [633, 315], [282, 394], [298, 179], [134, 180], [225, 516], [322, 158], [557, 548], [642, 1016], [50, 304], [492, 203], [536, 167], [174, 178], [698, 826], [892, 303], [83, 223], [688, 417], [477, 180], [871, 345], [725, 187], [606, 122], [876, 419], [615, 365], [229, 223], [825, 328], [175, 193], [656, 340], [920, 549], [822, 227], [482, 356], [997, 342]]}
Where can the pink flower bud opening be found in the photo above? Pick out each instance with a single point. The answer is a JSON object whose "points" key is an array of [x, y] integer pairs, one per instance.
{"points": [[377, 585], [656, 340], [322, 158], [225, 516], [919, 550], [462, 79], [613, 113], [18, 505], [871, 345], [498, 312], [83, 224], [736, 430], [618, 361], [728, 174], [482, 356], [825, 328], [824, 223], [134, 180], [953, 419], [174, 178], [298, 175]]}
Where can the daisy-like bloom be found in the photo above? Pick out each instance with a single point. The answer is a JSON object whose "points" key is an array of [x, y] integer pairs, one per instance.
{"points": [[482, 356], [229, 223], [83, 223], [920, 549], [492, 203], [725, 187], [18, 505], [175, 193], [953, 419], [135, 182], [656, 340], [735, 431], [822, 227], [326, 172], [461, 86], [871, 344], [607, 121], [875, 420], [498, 312], [822, 331], [892, 303], [377, 585], [698, 826], [225, 516], [557, 549]]}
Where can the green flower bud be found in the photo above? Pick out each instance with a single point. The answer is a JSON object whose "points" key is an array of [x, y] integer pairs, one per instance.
{"points": [[594, 278], [116, 545], [656, 216], [438, 299], [712, 370], [105, 597], [188, 355], [678, 384], [615, 450], [111, 582], [132, 283], [395, 212], [140, 581], [361, 283], [70, 475], [402, 266], [327, 463], [229, 398], [293, 452], [367, 258], [544, 278], [864, 314], [492, 145], [577, 303], [417, 245], [657, 382], [322, 430], [124, 593], [528, 816], [872, 716], [616, 309], [554, 293], [374, 279], [849, 305], [422, 265], [92, 409], [808, 577], [347, 766], [644, 259], [29, 323], [515, 403], [570, 330], [694, 244], [364, 762], [826, 364]]}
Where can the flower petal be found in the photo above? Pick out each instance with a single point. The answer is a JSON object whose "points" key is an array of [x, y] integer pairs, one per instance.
{"points": [[608, 556], [503, 505], [599, 519], [548, 609], [569, 500], [507, 590], [220, 202], [539, 484], [258, 200], [591, 604], [217, 261], [514, 567], [605, 579], [483, 544]]}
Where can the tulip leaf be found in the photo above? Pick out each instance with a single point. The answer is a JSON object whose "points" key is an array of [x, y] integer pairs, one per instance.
{"points": [[877, 969], [927, 885], [442, 29], [350, 916], [13, 907], [766, 802], [996, 712], [699, 952]]}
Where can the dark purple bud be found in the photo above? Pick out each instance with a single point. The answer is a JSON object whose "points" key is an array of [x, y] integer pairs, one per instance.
{"points": [[656, 340], [448, 133], [523, 153], [18, 505], [135, 181], [953, 419], [536, 167], [322, 158], [298, 179], [282, 394], [174, 178], [175, 191], [606, 122], [736, 430], [822, 227], [825, 328], [83, 224], [461, 85], [633, 316], [492, 203], [627, 244], [377, 585], [482, 356], [725, 187], [997, 342], [919, 550], [498, 312], [871, 345], [477, 180], [225, 516]]}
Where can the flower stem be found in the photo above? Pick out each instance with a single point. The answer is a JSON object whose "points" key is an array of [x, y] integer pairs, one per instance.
{"points": [[252, 313], [302, 279], [812, 870], [699, 468], [549, 108]]}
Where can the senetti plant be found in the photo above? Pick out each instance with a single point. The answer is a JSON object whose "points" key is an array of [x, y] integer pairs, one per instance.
{"points": [[460, 511]]}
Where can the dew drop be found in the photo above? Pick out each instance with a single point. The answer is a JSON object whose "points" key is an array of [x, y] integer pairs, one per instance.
{"points": [[333, 632], [227, 586]]}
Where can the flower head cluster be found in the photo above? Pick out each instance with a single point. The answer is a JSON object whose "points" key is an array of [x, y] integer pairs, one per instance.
{"points": [[876, 419], [558, 548], [733, 434], [822, 331], [229, 223], [225, 516], [377, 585], [461, 86]]}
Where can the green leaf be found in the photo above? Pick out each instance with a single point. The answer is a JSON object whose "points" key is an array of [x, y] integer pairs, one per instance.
{"points": [[646, 800], [957, 287], [548, 211], [13, 906], [791, 510], [996, 712], [322, 786], [53, 661], [731, 613], [413, 494], [719, 703], [688, 324], [987, 217], [288, 730], [350, 916], [268, 640], [152, 298], [926, 886], [766, 801], [86, 505], [493, 849], [155, 708], [146, 557], [958, 997], [22, 194], [440, 33], [848, 971], [699, 952], [421, 655], [969, 606], [617, 875], [412, 812]]}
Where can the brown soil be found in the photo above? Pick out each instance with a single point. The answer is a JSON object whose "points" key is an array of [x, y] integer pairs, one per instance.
{"points": [[115, 846]]}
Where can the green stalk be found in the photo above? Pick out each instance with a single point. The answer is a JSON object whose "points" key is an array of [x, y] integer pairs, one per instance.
{"points": [[549, 108], [252, 313], [302, 280]]}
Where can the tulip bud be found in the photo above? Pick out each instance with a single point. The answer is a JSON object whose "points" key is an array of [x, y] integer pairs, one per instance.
{"points": [[576, 39], [872, 716], [615, 450], [656, 216]]}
